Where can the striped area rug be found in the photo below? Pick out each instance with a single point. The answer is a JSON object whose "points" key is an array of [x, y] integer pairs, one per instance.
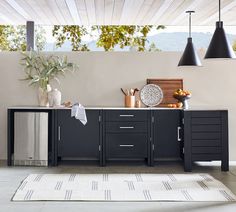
{"points": [[122, 187]]}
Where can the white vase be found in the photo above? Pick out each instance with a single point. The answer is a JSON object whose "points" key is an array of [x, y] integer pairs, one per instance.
{"points": [[43, 97], [54, 98]]}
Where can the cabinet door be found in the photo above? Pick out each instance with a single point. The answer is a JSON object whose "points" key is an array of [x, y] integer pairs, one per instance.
{"points": [[78, 140], [166, 134]]}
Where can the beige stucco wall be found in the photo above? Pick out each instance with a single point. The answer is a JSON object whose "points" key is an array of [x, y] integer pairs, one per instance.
{"points": [[102, 74]]}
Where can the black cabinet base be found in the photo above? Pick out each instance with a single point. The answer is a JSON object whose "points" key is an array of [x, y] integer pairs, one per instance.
{"points": [[224, 167], [133, 137]]}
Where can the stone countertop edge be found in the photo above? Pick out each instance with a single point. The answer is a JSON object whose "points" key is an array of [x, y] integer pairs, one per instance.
{"points": [[115, 108]]}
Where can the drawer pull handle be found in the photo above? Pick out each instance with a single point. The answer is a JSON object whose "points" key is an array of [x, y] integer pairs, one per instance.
{"points": [[128, 115], [126, 145], [178, 133], [131, 127]]}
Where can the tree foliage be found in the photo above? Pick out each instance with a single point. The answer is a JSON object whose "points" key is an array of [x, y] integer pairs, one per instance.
{"points": [[234, 46], [73, 34], [153, 48], [3, 38], [13, 38], [108, 36]]}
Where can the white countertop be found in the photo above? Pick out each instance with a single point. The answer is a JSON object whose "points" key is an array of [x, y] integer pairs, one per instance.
{"points": [[117, 108], [93, 108], [197, 108]]}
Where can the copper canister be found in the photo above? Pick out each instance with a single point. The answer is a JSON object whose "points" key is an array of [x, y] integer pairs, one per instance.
{"points": [[129, 101]]}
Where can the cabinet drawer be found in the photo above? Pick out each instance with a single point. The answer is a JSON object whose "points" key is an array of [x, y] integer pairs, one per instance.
{"points": [[206, 150], [126, 115], [126, 127], [126, 145]]}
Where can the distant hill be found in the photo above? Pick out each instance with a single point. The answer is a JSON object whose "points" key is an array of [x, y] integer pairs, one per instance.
{"points": [[175, 41]]}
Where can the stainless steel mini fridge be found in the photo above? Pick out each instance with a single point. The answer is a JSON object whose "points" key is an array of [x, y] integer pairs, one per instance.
{"points": [[31, 138]]}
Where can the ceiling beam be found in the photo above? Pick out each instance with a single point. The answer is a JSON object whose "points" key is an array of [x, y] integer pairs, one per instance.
{"points": [[164, 7], [117, 11], [82, 12], [37, 8], [100, 11], [43, 4], [73, 11], [109, 10], [33, 15], [56, 11], [90, 5], [174, 7], [182, 14], [143, 11], [10, 13], [18, 9], [65, 11], [130, 11], [153, 10], [215, 16]]}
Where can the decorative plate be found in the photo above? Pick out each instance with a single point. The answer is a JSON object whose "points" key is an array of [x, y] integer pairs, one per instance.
{"points": [[151, 95]]}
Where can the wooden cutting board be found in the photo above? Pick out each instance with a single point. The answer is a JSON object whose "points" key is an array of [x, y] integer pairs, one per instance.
{"points": [[168, 86]]}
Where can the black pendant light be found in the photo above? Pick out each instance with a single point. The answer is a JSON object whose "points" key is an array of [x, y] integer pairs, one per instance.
{"points": [[219, 46], [190, 56]]}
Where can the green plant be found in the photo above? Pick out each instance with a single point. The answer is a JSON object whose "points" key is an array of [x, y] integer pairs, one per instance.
{"points": [[42, 69]]}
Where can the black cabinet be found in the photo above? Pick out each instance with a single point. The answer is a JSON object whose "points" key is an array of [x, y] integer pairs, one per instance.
{"points": [[126, 135], [134, 134], [76, 140], [166, 135], [206, 137]]}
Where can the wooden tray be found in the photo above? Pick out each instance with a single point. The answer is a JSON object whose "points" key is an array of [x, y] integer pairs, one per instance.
{"points": [[168, 86]]}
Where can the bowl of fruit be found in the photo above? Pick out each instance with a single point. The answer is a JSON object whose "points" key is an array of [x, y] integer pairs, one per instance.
{"points": [[182, 96]]}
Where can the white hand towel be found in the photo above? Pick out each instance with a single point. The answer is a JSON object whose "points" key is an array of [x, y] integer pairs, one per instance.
{"points": [[78, 111]]}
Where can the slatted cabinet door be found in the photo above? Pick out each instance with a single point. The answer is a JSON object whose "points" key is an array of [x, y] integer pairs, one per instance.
{"points": [[206, 137]]}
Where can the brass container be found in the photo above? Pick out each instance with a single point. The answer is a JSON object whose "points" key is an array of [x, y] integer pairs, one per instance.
{"points": [[129, 101]]}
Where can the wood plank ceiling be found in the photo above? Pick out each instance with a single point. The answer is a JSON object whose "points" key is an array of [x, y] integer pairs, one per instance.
{"points": [[115, 12]]}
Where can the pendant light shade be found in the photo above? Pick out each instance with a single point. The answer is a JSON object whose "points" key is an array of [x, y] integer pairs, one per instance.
{"points": [[219, 46], [190, 56]]}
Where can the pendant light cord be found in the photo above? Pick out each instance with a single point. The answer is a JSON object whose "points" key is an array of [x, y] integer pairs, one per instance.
{"points": [[190, 23], [219, 10]]}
